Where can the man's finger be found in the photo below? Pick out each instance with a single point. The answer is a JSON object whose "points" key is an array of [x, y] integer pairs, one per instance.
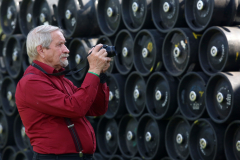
{"points": [[90, 50], [109, 59], [103, 53], [97, 47]]}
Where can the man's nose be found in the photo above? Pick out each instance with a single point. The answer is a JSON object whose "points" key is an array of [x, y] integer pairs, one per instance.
{"points": [[65, 50]]}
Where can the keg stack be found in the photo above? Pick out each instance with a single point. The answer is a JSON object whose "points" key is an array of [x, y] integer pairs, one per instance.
{"points": [[174, 84]]}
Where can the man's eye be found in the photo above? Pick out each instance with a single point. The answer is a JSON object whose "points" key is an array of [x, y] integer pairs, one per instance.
{"points": [[61, 44]]}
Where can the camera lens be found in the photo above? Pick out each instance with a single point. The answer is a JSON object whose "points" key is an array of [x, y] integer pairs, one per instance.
{"points": [[111, 50]]}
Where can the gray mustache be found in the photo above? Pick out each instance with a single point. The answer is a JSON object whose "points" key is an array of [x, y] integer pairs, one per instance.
{"points": [[64, 55]]}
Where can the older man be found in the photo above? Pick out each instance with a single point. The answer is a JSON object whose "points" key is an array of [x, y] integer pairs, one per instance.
{"points": [[52, 109]]}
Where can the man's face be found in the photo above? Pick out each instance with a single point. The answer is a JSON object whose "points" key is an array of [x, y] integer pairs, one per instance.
{"points": [[57, 53]]}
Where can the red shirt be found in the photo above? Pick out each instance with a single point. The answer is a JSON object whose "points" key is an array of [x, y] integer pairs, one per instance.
{"points": [[44, 100]]}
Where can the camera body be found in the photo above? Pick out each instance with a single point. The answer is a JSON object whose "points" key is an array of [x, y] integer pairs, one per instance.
{"points": [[111, 50]]}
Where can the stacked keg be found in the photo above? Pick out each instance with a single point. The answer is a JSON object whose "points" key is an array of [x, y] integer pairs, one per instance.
{"points": [[173, 85]]}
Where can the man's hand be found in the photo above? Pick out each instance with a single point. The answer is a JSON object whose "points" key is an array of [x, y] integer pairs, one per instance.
{"points": [[105, 68], [98, 60]]}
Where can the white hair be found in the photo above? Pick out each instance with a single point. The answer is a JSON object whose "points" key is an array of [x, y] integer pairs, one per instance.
{"points": [[40, 35]]}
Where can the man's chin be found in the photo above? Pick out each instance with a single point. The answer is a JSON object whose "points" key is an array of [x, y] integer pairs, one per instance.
{"points": [[65, 64]]}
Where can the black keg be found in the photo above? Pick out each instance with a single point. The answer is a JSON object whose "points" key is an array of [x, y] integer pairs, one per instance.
{"points": [[80, 48], [98, 156], [161, 95], [124, 46], [9, 16], [94, 120], [232, 140], [116, 104], [73, 80], [168, 14], [177, 134], [219, 50], [135, 94], [191, 95], [26, 16], [78, 18], [1, 79], [6, 130], [109, 16], [107, 135], [108, 41], [12, 53], [136, 14], [117, 157], [151, 137], [222, 97], [24, 155], [77, 83], [166, 158], [206, 140], [3, 69], [20, 137], [8, 89], [9, 152], [44, 12], [180, 51], [201, 14], [127, 136], [136, 158], [147, 51], [26, 61]]}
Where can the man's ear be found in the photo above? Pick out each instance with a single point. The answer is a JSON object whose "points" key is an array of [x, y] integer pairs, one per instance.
{"points": [[40, 51]]}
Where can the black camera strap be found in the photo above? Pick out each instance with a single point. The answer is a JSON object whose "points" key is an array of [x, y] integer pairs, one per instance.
{"points": [[65, 72]]}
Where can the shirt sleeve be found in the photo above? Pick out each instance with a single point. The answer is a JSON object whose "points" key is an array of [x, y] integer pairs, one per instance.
{"points": [[100, 104], [40, 94]]}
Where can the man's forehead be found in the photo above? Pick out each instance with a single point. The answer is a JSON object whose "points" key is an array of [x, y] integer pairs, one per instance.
{"points": [[57, 35]]}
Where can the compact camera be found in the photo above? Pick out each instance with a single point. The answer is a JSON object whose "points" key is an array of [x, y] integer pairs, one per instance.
{"points": [[111, 50]]}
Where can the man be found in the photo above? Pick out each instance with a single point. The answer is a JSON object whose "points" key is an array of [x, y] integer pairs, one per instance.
{"points": [[52, 109]]}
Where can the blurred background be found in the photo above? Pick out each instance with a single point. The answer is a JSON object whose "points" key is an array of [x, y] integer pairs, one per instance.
{"points": [[174, 83]]}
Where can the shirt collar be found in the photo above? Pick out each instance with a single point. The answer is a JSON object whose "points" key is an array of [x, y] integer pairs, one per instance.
{"points": [[48, 68]]}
